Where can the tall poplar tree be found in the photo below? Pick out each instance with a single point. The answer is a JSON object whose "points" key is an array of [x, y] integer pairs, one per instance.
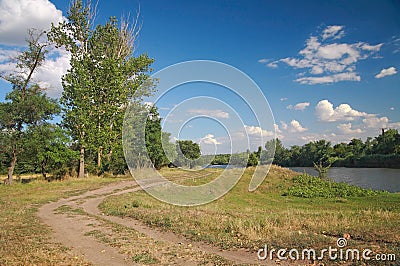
{"points": [[104, 75]]}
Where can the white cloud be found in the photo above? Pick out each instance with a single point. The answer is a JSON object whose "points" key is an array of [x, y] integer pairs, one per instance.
{"points": [[17, 16], [376, 122], [349, 76], [272, 65], [258, 131], [296, 127], [335, 32], [386, 72], [277, 130], [293, 127], [344, 112], [51, 72], [391, 108], [368, 47], [346, 129], [299, 106], [283, 99], [211, 113], [210, 139], [329, 62], [48, 75], [268, 62], [6, 65], [284, 125]]}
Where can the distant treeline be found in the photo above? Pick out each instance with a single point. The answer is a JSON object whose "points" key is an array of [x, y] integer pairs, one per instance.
{"points": [[381, 151]]}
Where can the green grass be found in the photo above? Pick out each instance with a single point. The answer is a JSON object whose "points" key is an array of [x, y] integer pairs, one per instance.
{"points": [[145, 258], [251, 219], [307, 186], [24, 239]]}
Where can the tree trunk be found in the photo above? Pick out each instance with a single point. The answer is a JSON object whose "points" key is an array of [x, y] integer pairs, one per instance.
{"points": [[44, 170], [11, 168], [99, 156], [109, 155], [82, 163]]}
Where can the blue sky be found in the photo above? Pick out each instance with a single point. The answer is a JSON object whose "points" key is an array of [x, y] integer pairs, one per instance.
{"points": [[327, 68]]}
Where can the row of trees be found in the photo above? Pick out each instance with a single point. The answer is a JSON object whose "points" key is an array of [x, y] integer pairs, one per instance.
{"points": [[103, 78], [381, 151]]}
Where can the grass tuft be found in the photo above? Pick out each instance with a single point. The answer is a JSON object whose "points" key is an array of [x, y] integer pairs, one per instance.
{"points": [[307, 186]]}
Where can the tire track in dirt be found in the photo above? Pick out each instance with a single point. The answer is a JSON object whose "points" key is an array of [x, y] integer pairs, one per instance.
{"points": [[71, 230]]}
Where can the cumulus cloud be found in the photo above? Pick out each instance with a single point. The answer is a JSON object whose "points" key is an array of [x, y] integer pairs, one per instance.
{"points": [[376, 122], [328, 61], [17, 16], [210, 139], [284, 125], [386, 72], [299, 106], [293, 127], [296, 127], [50, 73], [346, 129], [211, 113], [258, 131], [283, 99], [344, 112]]}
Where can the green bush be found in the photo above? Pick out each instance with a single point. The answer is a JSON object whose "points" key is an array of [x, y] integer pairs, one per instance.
{"points": [[307, 186]]}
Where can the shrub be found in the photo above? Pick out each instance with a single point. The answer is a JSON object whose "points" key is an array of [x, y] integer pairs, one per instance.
{"points": [[307, 186]]}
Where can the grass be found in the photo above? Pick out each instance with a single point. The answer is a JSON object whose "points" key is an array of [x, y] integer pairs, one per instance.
{"points": [[24, 239], [141, 248], [307, 186], [250, 220]]}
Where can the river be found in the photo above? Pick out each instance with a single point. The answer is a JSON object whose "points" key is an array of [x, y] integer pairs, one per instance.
{"points": [[374, 178]]}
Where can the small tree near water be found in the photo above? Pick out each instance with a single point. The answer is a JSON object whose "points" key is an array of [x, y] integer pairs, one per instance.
{"points": [[323, 165]]}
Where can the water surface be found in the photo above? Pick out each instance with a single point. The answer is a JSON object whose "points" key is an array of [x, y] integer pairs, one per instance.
{"points": [[374, 178]]}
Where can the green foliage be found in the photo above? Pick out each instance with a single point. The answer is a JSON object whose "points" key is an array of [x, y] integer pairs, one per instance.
{"points": [[187, 151], [240, 159], [99, 83], [218, 159], [47, 149], [381, 151], [307, 186], [26, 105], [253, 160], [156, 141]]}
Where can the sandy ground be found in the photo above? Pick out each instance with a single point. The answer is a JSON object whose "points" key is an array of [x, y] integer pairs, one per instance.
{"points": [[70, 230]]}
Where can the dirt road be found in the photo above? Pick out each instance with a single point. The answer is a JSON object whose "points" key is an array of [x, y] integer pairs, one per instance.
{"points": [[108, 240]]}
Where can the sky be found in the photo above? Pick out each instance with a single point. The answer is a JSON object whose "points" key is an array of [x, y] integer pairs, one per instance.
{"points": [[328, 69]]}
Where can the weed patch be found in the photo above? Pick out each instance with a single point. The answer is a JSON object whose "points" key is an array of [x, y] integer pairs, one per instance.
{"points": [[307, 186]]}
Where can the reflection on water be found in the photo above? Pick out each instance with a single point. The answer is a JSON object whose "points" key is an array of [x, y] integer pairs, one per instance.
{"points": [[374, 178]]}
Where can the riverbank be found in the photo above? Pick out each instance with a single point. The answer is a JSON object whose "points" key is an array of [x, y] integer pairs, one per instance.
{"points": [[247, 220], [239, 221], [370, 178]]}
